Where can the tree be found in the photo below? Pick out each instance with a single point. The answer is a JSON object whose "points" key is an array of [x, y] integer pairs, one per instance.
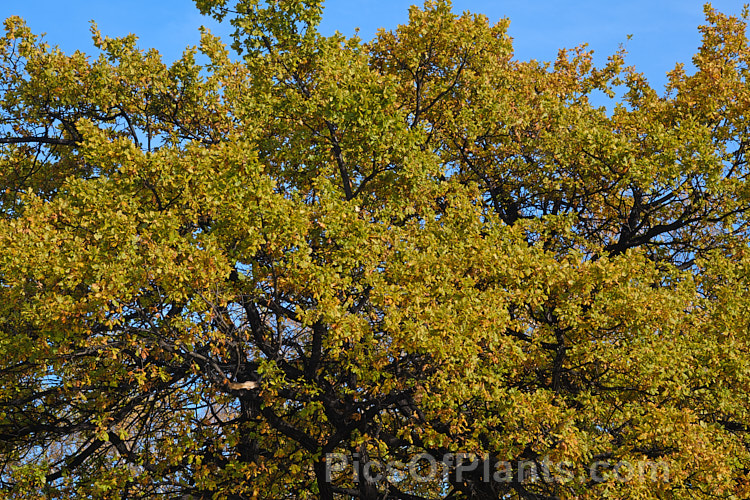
{"points": [[271, 275]]}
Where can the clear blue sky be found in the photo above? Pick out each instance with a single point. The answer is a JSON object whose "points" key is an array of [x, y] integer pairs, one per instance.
{"points": [[664, 31]]}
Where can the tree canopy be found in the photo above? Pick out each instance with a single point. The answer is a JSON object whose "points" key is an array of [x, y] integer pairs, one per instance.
{"points": [[302, 266]]}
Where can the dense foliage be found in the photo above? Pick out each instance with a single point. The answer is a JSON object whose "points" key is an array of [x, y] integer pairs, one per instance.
{"points": [[220, 275]]}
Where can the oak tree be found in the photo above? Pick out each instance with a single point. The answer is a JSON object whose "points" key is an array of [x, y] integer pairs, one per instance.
{"points": [[219, 274]]}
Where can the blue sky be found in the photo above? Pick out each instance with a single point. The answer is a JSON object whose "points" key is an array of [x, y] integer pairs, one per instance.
{"points": [[664, 31]]}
